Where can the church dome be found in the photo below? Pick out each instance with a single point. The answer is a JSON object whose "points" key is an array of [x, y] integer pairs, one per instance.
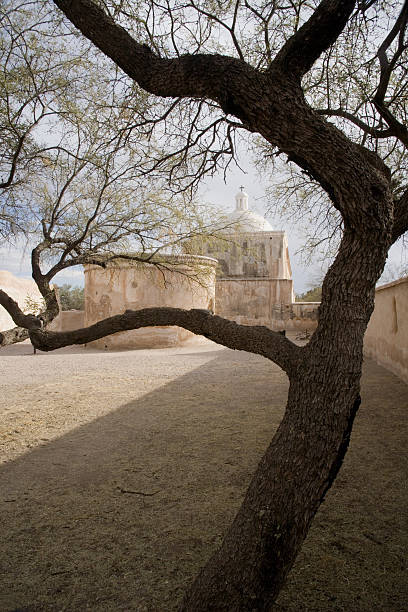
{"points": [[247, 220]]}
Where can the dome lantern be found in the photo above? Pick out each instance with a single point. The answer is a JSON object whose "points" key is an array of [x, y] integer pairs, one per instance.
{"points": [[241, 200], [247, 220]]}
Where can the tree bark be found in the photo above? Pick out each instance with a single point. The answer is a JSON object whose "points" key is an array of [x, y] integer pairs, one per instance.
{"points": [[13, 336], [303, 459], [247, 572]]}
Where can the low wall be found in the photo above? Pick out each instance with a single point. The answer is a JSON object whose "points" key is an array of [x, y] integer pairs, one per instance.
{"points": [[264, 302], [300, 316], [386, 338], [68, 320], [251, 301], [187, 282]]}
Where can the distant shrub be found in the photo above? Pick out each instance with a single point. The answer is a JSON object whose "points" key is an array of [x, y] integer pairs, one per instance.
{"points": [[313, 295], [71, 298]]}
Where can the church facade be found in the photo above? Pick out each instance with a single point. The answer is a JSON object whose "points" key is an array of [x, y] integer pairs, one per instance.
{"points": [[254, 283]]}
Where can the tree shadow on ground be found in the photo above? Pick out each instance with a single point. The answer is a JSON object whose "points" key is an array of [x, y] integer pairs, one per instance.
{"points": [[120, 513]]}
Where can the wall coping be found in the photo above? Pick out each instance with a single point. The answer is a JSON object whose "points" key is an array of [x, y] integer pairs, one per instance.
{"points": [[184, 258], [399, 281], [257, 233], [252, 278]]}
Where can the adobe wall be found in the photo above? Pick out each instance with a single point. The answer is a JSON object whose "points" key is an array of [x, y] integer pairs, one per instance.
{"points": [[18, 289], [386, 338], [300, 316], [68, 320], [253, 255], [126, 285], [264, 302]]}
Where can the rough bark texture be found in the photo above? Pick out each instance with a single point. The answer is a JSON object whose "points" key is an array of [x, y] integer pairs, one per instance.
{"points": [[254, 339], [259, 549], [301, 463], [13, 335]]}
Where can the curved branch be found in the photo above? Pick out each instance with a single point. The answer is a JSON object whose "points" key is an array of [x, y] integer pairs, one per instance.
{"points": [[13, 168], [254, 339], [323, 28], [198, 76], [28, 321], [13, 336], [386, 67], [24, 322], [400, 216], [256, 99], [339, 112]]}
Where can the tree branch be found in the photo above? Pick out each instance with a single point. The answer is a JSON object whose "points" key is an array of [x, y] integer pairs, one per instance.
{"points": [[254, 339], [323, 28], [14, 161], [368, 129], [400, 216], [198, 76], [24, 322], [387, 66], [256, 99], [28, 321], [13, 336]]}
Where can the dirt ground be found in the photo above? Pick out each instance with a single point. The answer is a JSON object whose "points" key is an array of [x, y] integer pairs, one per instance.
{"points": [[122, 470]]}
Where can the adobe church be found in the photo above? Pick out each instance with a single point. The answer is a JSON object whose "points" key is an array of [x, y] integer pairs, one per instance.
{"points": [[254, 283], [248, 279]]}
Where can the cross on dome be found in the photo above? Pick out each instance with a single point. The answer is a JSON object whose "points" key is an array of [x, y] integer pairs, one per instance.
{"points": [[248, 220]]}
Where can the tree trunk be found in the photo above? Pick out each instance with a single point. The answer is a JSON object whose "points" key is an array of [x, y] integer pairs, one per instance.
{"points": [[248, 571], [303, 459]]}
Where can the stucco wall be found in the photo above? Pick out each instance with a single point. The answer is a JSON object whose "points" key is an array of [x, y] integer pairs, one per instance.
{"points": [[299, 316], [264, 302], [125, 285], [19, 289], [68, 320], [386, 338], [253, 255]]}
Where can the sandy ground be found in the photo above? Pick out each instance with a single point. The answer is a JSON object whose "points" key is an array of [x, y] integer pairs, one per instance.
{"points": [[120, 472]]}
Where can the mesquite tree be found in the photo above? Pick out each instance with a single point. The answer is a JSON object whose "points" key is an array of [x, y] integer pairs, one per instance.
{"points": [[72, 181], [178, 51]]}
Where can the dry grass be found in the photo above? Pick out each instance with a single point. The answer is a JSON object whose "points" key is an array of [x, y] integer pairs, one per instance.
{"points": [[122, 470]]}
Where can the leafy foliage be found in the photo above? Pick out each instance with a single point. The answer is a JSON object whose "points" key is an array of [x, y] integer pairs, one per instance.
{"points": [[76, 175], [72, 298], [312, 295]]}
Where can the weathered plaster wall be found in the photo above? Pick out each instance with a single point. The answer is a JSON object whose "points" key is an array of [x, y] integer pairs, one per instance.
{"points": [[264, 302], [68, 320], [19, 289], [386, 338], [126, 285], [300, 316], [253, 255]]}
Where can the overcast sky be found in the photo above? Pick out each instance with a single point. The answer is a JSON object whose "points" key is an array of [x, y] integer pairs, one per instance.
{"points": [[214, 190]]}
